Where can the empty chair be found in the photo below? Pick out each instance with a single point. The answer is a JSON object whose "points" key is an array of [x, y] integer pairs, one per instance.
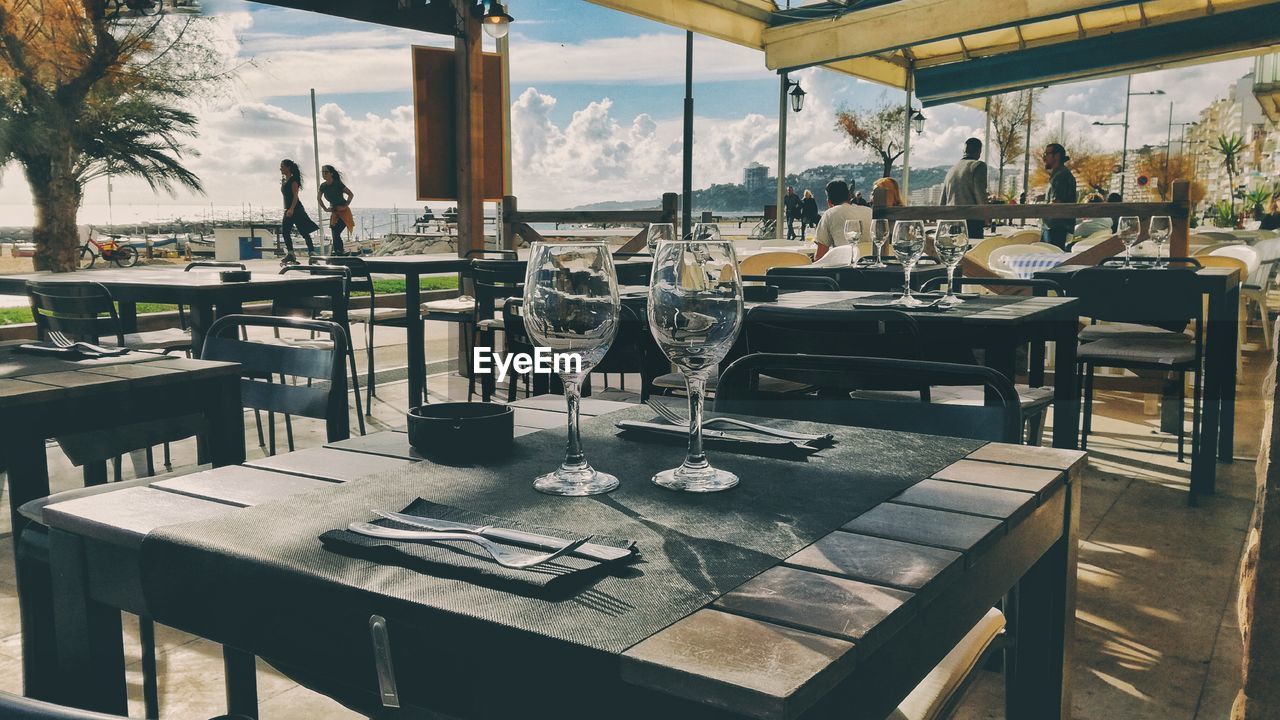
{"points": [[493, 281], [66, 312], [839, 256], [1253, 287], [760, 263], [981, 252], [794, 283], [998, 261]]}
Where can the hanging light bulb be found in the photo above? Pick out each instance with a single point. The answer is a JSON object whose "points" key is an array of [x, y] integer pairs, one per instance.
{"points": [[496, 22]]}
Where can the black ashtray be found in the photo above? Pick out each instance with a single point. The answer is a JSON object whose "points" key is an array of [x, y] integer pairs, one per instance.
{"points": [[462, 431], [234, 275], [759, 292]]}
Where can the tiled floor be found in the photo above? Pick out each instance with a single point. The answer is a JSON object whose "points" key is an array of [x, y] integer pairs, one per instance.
{"points": [[1155, 633]]}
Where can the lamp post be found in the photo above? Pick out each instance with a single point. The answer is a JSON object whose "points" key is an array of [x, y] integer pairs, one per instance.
{"points": [[789, 92], [1124, 148]]}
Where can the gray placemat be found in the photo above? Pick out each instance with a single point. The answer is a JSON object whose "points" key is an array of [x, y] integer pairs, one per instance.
{"points": [[259, 576]]}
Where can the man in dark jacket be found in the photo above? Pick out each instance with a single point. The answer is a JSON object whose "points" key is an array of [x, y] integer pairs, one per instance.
{"points": [[1062, 189], [791, 201]]}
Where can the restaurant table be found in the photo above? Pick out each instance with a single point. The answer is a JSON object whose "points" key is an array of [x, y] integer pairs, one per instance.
{"points": [[42, 397], [840, 618], [1218, 411], [205, 295], [863, 277]]}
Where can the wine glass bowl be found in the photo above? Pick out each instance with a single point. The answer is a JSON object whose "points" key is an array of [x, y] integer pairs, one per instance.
{"points": [[695, 312], [879, 236], [1160, 230], [1129, 228], [571, 307], [853, 233], [908, 245], [659, 233]]}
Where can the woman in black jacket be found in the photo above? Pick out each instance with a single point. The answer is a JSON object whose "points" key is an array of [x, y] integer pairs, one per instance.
{"points": [[808, 213], [295, 213]]}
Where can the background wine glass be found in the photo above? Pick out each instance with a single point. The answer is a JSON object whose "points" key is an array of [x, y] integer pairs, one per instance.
{"points": [[571, 306], [853, 233], [705, 232], [1129, 228], [695, 311], [1160, 229], [908, 245], [952, 242], [879, 235], [659, 233]]}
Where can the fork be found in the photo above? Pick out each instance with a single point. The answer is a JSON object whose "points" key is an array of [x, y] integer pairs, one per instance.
{"points": [[503, 556], [674, 418], [61, 340]]}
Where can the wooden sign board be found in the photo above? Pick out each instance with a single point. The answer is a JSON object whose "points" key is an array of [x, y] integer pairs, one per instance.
{"points": [[434, 118]]}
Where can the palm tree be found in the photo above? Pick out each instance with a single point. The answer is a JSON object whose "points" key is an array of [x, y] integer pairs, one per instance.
{"points": [[1230, 149]]}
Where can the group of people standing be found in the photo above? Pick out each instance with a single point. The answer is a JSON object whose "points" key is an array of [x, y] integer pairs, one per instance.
{"points": [[335, 198]]}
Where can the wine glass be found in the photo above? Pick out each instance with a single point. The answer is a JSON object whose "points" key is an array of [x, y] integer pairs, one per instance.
{"points": [[659, 233], [853, 233], [705, 232], [1129, 228], [695, 311], [952, 242], [571, 306], [879, 234], [1160, 229], [908, 245]]}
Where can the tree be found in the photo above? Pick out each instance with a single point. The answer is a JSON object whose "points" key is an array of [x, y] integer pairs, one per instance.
{"points": [[90, 88], [879, 131], [1092, 167], [1230, 149], [1008, 115], [1177, 167]]}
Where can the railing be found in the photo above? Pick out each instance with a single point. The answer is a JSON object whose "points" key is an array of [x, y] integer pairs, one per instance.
{"points": [[516, 222]]}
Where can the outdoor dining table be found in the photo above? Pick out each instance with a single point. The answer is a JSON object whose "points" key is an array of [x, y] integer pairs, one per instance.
{"points": [[819, 588], [43, 397], [203, 293], [866, 277], [1221, 286]]}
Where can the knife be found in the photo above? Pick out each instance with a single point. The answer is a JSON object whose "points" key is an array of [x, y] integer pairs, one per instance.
{"points": [[591, 551]]}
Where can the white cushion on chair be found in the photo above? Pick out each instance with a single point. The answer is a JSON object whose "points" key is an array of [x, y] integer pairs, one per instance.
{"points": [[169, 339], [460, 304], [934, 694], [361, 315], [1129, 331], [1030, 399]]}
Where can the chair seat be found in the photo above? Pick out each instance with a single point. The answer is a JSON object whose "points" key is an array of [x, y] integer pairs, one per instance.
{"points": [[461, 305], [301, 342], [363, 315], [939, 690], [1031, 399], [1128, 331], [168, 339], [492, 324], [1117, 352], [675, 381]]}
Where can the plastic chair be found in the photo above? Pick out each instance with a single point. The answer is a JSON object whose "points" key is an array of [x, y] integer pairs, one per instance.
{"points": [[997, 263], [761, 263], [838, 256], [1253, 287], [981, 253]]}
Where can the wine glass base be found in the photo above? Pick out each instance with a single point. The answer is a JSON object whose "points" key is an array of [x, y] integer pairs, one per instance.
{"points": [[688, 479], [950, 301], [908, 301], [575, 482]]}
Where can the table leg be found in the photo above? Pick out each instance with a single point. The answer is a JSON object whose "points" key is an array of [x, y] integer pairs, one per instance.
{"points": [[28, 480], [201, 318], [417, 351], [89, 643], [1218, 355], [1042, 620], [224, 413], [1004, 360], [1066, 394], [1227, 411], [128, 311]]}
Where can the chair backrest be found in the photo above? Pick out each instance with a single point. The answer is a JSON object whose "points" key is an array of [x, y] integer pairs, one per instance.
{"points": [[761, 263], [312, 305], [636, 272], [996, 261], [864, 333], [981, 253], [15, 707], [1025, 236], [792, 283], [360, 280], [213, 265], [260, 362], [1168, 299], [1001, 420], [838, 256], [494, 281], [1247, 255], [78, 311]]}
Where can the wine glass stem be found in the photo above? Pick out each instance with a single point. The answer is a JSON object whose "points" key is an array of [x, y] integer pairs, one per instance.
{"points": [[573, 456], [697, 386], [877, 246], [906, 278], [951, 275]]}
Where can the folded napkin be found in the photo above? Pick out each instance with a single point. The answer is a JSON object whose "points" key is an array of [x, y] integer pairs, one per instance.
{"points": [[745, 442], [470, 562]]}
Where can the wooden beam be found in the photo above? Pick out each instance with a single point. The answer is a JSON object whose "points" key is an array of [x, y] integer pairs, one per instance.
{"points": [[904, 23], [469, 84], [1015, 212]]}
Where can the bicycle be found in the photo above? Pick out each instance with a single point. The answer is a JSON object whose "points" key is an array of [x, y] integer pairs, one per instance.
{"points": [[110, 250]]}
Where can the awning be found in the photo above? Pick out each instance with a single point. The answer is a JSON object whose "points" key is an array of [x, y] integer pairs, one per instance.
{"points": [[434, 17]]}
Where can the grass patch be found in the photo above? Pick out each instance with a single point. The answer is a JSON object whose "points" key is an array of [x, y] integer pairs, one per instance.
{"points": [[427, 283], [20, 315]]}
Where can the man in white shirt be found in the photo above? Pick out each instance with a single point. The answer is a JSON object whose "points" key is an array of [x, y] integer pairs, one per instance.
{"points": [[840, 210]]}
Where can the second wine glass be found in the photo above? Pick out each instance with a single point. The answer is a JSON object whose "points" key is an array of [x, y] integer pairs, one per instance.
{"points": [[571, 307], [1160, 230], [1129, 228], [879, 236], [952, 242], [658, 234], [908, 245], [695, 311]]}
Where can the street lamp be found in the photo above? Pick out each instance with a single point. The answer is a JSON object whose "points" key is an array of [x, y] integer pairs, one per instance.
{"points": [[496, 22], [1124, 147], [917, 121], [797, 94]]}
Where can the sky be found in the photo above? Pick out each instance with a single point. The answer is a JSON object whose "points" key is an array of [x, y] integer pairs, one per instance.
{"points": [[596, 110]]}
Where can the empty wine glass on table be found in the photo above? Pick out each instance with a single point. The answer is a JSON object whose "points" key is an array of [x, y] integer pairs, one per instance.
{"points": [[908, 245], [952, 242], [659, 233], [1160, 229], [853, 233], [695, 311], [879, 235], [1129, 228], [705, 232], [571, 306]]}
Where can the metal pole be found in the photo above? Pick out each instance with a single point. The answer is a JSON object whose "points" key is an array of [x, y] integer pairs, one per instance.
{"points": [[1168, 149], [782, 157], [504, 52], [315, 146], [686, 201], [906, 134], [1124, 147], [1062, 127], [986, 142], [1026, 150]]}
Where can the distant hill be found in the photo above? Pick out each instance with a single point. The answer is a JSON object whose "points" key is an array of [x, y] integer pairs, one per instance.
{"points": [[733, 197]]}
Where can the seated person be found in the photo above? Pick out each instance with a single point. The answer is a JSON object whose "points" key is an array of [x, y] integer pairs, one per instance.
{"points": [[840, 209]]}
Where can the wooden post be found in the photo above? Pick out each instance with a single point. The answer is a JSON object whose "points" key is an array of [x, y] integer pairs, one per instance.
{"points": [[1180, 240], [470, 123], [508, 222], [670, 207]]}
